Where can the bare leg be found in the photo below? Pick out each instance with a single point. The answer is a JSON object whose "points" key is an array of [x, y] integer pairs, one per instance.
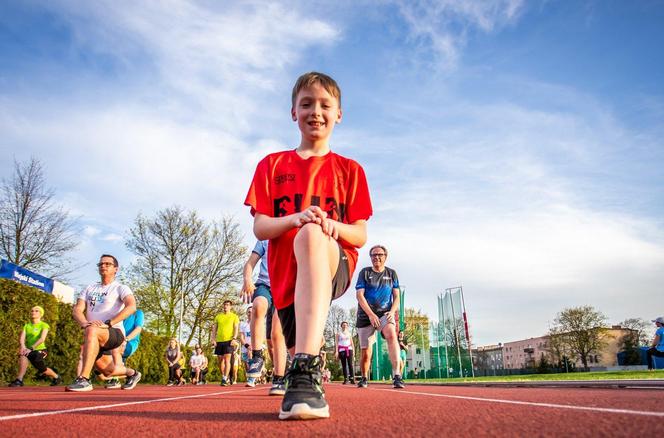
{"points": [[365, 361], [390, 334], [317, 257], [258, 312], [279, 346], [94, 337], [22, 367]]}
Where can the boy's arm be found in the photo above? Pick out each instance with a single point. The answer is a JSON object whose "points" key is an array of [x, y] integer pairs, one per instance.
{"points": [[373, 318], [267, 227], [248, 286], [655, 341]]}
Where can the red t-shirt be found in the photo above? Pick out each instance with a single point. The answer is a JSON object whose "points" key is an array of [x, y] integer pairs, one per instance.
{"points": [[285, 183]]}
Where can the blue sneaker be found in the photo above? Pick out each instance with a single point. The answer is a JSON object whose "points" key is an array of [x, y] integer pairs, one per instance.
{"points": [[255, 367], [251, 382], [81, 384]]}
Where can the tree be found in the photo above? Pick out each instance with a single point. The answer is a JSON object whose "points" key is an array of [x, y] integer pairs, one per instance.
{"points": [[35, 233], [184, 265], [581, 331], [417, 328], [639, 328]]}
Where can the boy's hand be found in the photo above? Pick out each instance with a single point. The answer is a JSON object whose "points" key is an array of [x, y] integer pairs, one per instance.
{"points": [[329, 227], [312, 214], [247, 291]]}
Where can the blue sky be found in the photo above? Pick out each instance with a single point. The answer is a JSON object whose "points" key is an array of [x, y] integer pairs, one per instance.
{"points": [[512, 147]]}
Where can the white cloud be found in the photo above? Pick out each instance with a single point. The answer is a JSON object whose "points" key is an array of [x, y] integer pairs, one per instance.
{"points": [[112, 238], [442, 25]]}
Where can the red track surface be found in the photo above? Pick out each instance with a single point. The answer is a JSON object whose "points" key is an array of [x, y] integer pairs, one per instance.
{"points": [[378, 411]]}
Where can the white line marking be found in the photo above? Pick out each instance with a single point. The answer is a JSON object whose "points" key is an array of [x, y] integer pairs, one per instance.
{"points": [[543, 405], [116, 405]]}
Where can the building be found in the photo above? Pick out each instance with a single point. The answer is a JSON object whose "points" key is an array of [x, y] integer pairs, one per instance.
{"points": [[528, 353]]}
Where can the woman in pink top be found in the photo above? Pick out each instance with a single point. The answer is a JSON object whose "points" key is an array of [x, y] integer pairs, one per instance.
{"points": [[344, 352]]}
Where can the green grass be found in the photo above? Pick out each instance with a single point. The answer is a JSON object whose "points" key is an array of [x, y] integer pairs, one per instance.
{"points": [[602, 375]]}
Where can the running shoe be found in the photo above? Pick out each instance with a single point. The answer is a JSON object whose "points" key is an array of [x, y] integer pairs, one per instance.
{"points": [[81, 384], [363, 383], [304, 398], [398, 382], [16, 383], [278, 387], [352, 380], [114, 383], [251, 382], [56, 381], [170, 383], [344, 382], [132, 381], [255, 367]]}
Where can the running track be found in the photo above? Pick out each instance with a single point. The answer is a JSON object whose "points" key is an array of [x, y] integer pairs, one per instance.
{"points": [[378, 411]]}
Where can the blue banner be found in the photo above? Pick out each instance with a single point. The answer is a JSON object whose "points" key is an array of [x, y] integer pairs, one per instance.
{"points": [[22, 275]]}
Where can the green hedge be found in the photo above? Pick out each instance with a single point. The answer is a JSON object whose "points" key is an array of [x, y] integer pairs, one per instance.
{"points": [[65, 338]]}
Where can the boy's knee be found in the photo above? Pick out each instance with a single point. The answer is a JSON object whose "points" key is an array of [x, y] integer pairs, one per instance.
{"points": [[309, 234]]}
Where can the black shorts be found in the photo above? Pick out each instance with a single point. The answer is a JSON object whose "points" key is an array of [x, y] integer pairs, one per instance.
{"points": [[36, 358], [340, 284], [115, 339], [223, 348]]}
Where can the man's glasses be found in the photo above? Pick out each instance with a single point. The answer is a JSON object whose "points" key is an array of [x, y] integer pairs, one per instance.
{"points": [[99, 265], [378, 255]]}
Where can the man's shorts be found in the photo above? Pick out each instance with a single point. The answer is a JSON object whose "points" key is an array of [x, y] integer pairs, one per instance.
{"points": [[340, 284], [36, 358], [115, 339], [223, 348], [367, 334]]}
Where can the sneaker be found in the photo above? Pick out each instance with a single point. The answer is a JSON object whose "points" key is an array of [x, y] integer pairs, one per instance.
{"points": [[278, 387], [56, 381], [132, 380], [16, 383], [398, 382], [304, 398], [352, 380], [113, 384], [362, 383], [255, 367], [344, 382], [81, 384], [251, 382], [225, 382], [170, 383]]}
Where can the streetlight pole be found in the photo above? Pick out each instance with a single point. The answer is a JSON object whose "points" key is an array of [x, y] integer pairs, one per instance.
{"points": [[184, 271]]}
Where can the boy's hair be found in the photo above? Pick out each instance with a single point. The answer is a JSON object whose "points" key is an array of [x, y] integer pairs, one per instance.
{"points": [[313, 77], [227, 301]]}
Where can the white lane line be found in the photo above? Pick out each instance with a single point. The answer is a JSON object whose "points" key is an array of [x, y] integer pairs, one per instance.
{"points": [[116, 405], [542, 405]]}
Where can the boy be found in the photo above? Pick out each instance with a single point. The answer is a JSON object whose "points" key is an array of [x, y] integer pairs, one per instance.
{"points": [[312, 205]]}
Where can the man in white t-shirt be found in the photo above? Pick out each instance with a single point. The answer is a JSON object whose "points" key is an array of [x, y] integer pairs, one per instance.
{"points": [[100, 310]]}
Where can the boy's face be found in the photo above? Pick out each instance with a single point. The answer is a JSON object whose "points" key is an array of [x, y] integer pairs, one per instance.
{"points": [[316, 112]]}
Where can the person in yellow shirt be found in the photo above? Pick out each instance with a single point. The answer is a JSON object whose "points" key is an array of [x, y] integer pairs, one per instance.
{"points": [[225, 333], [33, 349]]}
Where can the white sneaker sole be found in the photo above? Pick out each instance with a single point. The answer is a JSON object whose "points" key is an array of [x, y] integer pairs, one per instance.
{"points": [[302, 411], [86, 389], [277, 392]]}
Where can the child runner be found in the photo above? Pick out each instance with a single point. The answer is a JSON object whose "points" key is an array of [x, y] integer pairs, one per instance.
{"points": [[33, 349], [260, 296], [312, 204]]}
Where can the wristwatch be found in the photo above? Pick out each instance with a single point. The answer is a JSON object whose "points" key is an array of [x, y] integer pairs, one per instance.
{"points": [[108, 323]]}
